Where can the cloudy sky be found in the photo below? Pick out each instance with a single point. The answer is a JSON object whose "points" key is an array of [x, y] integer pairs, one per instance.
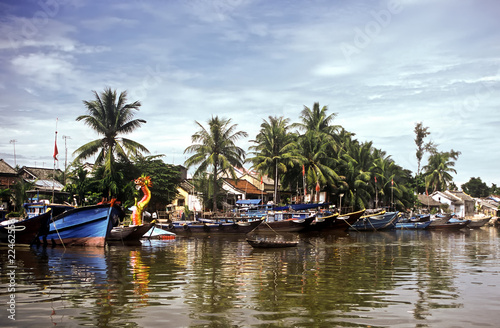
{"points": [[382, 66]]}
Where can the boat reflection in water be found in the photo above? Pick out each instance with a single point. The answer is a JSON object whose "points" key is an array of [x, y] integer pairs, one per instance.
{"points": [[401, 278]]}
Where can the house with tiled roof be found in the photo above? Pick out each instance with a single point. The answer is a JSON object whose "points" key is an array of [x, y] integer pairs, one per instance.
{"points": [[238, 189], [8, 175], [428, 202], [459, 202], [186, 196], [44, 179]]}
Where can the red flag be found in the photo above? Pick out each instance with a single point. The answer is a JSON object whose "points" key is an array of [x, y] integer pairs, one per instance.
{"points": [[261, 180], [392, 182], [375, 179], [303, 170], [55, 149], [317, 186]]}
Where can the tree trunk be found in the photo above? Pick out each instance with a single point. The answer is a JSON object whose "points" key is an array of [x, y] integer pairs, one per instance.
{"points": [[276, 195], [214, 193]]}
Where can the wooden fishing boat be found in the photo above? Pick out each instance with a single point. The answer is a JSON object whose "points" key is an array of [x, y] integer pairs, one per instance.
{"points": [[343, 222], [129, 233], [440, 225], [83, 226], [413, 225], [379, 222], [186, 228], [271, 243], [323, 221], [24, 231], [291, 222], [27, 229], [479, 222]]}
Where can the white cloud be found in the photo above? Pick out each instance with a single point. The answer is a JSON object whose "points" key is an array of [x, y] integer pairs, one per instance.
{"points": [[248, 60], [51, 70]]}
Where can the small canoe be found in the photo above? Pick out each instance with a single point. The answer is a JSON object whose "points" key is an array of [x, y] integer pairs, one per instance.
{"points": [[129, 233], [413, 225], [478, 223], [437, 225], [266, 243]]}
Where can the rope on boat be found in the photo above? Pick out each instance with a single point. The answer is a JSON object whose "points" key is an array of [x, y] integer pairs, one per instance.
{"points": [[374, 229], [57, 231], [346, 221], [267, 225]]}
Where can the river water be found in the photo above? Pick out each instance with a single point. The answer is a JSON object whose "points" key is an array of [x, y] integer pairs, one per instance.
{"points": [[369, 279]]}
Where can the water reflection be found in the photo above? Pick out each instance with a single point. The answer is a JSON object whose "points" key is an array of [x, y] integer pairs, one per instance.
{"points": [[401, 278]]}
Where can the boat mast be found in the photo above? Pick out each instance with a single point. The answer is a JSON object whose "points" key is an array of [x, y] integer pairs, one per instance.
{"points": [[55, 159]]}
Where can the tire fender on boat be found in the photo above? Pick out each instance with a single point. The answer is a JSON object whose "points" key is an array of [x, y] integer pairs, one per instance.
{"points": [[185, 227]]}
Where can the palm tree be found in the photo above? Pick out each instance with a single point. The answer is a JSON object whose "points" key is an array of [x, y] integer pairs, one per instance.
{"points": [[355, 166], [273, 150], [437, 171], [215, 150], [313, 152], [316, 119], [318, 159], [110, 116]]}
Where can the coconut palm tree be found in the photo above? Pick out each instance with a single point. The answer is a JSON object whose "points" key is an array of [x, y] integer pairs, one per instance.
{"points": [[317, 119], [438, 171], [110, 116], [313, 152], [354, 165], [273, 150], [215, 150]]}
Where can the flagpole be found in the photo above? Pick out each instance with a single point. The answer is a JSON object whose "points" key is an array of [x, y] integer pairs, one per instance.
{"points": [[392, 192], [304, 182], [55, 159]]}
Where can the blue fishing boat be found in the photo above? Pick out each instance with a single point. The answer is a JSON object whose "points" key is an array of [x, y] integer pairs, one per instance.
{"points": [[378, 222], [84, 226], [413, 225], [27, 229]]}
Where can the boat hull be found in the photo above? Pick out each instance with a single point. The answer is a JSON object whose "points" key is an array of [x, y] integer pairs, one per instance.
{"points": [[129, 233], [83, 226], [343, 222], [25, 231], [413, 225], [380, 222], [187, 228], [288, 225], [478, 223], [448, 225]]}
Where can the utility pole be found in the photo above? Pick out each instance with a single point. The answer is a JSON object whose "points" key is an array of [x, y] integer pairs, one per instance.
{"points": [[65, 158], [13, 141]]}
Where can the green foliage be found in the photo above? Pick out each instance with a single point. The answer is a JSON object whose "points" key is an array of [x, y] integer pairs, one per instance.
{"points": [[438, 171], [273, 150], [109, 115], [214, 150], [203, 186], [81, 186], [475, 187], [19, 195], [5, 194], [165, 178]]}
